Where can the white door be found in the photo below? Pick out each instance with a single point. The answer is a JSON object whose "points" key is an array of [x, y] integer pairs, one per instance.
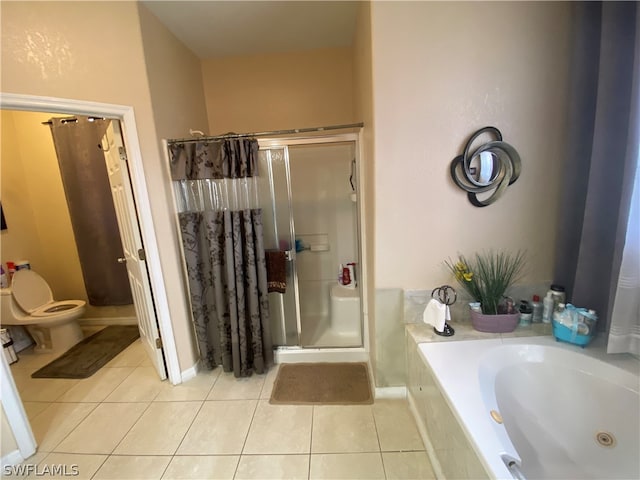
{"points": [[116, 159]]}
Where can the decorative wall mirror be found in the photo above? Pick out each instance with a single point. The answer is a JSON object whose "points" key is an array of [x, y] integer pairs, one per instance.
{"points": [[486, 169]]}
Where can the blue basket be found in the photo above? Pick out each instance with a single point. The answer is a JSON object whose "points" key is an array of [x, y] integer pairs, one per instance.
{"points": [[563, 333]]}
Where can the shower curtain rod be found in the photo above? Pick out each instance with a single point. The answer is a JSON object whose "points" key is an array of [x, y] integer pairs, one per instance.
{"points": [[72, 120], [265, 134]]}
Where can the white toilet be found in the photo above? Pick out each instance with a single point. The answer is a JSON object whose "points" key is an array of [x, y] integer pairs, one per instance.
{"points": [[345, 310], [29, 302]]}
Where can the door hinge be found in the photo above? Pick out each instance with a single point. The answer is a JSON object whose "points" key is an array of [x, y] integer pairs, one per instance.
{"points": [[123, 154], [141, 254], [158, 342]]}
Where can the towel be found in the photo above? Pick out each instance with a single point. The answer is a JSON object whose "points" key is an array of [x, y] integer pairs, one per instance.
{"points": [[276, 271], [435, 314]]}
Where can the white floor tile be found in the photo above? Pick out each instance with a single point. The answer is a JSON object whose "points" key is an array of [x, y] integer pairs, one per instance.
{"points": [[42, 389], [267, 467], [34, 408], [341, 429], [132, 356], [202, 467], [228, 387], [348, 466], [103, 428], [132, 468], [407, 466], [143, 385], [396, 427], [98, 386], [160, 429], [269, 380], [195, 389], [220, 428], [54, 423], [279, 429]]}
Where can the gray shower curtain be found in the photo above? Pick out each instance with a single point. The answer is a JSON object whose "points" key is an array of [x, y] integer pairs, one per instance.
{"points": [[93, 216], [221, 227], [603, 154]]}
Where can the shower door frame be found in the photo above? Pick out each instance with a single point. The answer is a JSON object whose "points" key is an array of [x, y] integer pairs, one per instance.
{"points": [[285, 143]]}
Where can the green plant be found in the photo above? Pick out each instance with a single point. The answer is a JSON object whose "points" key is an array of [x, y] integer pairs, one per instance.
{"points": [[487, 276]]}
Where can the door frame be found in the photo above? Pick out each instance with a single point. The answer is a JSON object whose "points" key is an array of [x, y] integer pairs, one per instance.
{"points": [[287, 141], [141, 198]]}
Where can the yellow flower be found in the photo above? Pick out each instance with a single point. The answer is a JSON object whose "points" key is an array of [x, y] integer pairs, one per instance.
{"points": [[461, 267], [468, 276]]}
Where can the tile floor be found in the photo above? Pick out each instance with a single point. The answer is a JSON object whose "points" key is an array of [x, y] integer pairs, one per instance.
{"points": [[123, 423]]}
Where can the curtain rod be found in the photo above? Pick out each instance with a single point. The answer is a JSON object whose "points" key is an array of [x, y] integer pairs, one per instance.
{"points": [[72, 120], [265, 134]]}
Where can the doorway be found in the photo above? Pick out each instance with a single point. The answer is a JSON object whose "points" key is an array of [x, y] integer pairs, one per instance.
{"points": [[310, 211], [11, 402]]}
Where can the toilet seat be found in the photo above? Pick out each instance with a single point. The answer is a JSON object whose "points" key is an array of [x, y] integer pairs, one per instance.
{"points": [[32, 293]]}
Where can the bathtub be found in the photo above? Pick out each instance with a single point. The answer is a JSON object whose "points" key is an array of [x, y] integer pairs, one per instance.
{"points": [[548, 410]]}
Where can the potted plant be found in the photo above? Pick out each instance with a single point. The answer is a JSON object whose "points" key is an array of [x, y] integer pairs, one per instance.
{"points": [[486, 277]]}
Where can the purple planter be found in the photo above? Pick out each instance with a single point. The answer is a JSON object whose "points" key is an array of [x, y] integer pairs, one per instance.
{"points": [[494, 323]]}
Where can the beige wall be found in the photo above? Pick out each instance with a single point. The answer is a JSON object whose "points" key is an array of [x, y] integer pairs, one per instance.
{"points": [[21, 240], [441, 71], [97, 55], [41, 200], [363, 110], [279, 91]]}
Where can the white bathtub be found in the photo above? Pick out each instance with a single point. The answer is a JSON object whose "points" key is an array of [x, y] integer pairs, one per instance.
{"points": [[554, 400]]}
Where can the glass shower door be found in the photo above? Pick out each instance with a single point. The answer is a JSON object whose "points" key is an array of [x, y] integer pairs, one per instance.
{"points": [[279, 234]]}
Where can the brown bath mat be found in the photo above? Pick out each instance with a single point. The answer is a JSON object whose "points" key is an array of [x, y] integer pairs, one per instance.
{"points": [[322, 384], [87, 357]]}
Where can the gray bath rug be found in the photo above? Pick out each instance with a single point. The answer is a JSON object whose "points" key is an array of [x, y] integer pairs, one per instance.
{"points": [[322, 384], [91, 354]]}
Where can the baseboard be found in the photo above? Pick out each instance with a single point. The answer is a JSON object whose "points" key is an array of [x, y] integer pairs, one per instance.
{"points": [[190, 373], [391, 392], [99, 321], [301, 355], [11, 458]]}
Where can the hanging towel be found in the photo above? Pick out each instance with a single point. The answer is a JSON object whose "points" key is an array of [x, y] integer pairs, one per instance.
{"points": [[435, 314], [276, 271]]}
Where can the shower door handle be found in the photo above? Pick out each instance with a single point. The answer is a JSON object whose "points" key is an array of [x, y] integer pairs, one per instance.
{"points": [[122, 260], [288, 254]]}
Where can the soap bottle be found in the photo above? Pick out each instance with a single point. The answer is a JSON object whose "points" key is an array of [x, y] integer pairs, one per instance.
{"points": [[547, 308]]}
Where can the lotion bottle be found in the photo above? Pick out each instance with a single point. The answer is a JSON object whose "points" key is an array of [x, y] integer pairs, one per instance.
{"points": [[547, 308]]}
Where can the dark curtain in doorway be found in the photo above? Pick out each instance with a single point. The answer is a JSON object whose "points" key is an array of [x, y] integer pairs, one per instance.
{"points": [[93, 217], [221, 227], [603, 154]]}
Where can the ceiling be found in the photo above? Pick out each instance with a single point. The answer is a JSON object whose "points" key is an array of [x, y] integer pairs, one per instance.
{"points": [[224, 28]]}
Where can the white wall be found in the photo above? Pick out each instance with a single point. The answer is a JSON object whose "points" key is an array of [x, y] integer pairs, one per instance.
{"points": [[442, 70]]}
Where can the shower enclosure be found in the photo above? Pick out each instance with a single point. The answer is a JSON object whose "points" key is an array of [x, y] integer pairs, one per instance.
{"points": [[310, 210]]}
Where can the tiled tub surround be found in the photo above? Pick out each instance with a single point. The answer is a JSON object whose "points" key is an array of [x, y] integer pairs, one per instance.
{"points": [[449, 403]]}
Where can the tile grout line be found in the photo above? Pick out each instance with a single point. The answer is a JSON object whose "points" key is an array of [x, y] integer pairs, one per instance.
{"points": [[313, 412], [246, 435], [375, 425], [189, 428]]}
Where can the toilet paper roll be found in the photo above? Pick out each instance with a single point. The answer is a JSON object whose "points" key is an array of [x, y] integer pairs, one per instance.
{"points": [[435, 314]]}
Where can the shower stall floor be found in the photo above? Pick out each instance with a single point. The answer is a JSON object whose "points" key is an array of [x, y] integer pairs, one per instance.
{"points": [[317, 331]]}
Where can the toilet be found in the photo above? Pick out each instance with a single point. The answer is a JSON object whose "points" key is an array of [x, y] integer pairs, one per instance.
{"points": [[345, 310], [29, 302]]}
